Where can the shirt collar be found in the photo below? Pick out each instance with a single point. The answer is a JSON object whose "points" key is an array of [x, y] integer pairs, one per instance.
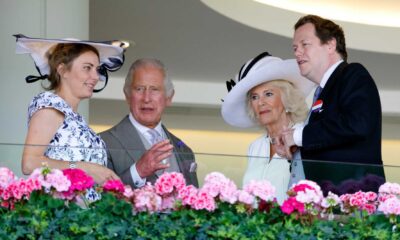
{"points": [[143, 129], [328, 73]]}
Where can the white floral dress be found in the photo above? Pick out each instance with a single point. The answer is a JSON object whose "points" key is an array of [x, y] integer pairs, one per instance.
{"points": [[74, 140]]}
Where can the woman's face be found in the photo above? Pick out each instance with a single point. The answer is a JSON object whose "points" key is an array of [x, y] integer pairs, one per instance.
{"points": [[266, 103], [82, 77]]}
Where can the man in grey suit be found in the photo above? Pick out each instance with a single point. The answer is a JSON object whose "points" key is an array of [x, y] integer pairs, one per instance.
{"points": [[140, 148]]}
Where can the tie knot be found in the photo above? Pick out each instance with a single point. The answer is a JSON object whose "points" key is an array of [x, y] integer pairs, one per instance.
{"points": [[155, 136]]}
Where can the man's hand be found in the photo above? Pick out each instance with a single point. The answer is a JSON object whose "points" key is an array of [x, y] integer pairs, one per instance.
{"points": [[152, 159], [288, 146]]}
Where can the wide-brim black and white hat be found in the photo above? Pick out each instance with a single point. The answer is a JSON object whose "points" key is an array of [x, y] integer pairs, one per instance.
{"points": [[111, 54], [258, 70]]}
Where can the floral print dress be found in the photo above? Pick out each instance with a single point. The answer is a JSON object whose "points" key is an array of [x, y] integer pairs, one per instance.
{"points": [[74, 140]]}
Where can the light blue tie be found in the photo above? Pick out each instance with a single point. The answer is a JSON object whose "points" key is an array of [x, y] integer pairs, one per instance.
{"points": [[317, 93], [155, 136]]}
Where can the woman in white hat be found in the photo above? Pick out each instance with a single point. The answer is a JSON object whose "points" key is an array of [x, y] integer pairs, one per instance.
{"points": [[270, 93], [58, 136]]}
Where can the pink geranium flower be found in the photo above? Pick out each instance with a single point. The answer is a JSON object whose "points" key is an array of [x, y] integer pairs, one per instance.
{"points": [[80, 181], [291, 204], [167, 186], [359, 201], [388, 190], [307, 192], [204, 201], [389, 200], [245, 197], [17, 191], [217, 185], [114, 186], [6, 177], [128, 192], [262, 189], [390, 207], [146, 199], [304, 197], [188, 195], [167, 183], [51, 179], [197, 199]]}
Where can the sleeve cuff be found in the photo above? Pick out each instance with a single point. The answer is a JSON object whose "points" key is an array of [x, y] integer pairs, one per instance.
{"points": [[137, 180], [298, 135]]}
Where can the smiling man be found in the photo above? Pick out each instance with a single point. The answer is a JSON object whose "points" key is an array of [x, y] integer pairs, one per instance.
{"points": [[345, 122], [140, 148]]}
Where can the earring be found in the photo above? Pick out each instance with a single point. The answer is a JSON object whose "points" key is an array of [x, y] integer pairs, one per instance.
{"points": [[287, 111]]}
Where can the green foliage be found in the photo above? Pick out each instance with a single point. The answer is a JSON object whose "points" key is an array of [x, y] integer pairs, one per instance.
{"points": [[44, 217]]}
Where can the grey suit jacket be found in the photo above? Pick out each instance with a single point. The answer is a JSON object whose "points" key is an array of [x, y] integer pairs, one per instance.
{"points": [[296, 169], [124, 148]]}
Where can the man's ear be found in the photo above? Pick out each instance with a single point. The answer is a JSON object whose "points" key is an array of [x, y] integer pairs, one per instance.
{"points": [[332, 45], [169, 99]]}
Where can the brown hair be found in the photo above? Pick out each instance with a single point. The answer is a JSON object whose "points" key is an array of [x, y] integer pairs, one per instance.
{"points": [[326, 30], [64, 53]]}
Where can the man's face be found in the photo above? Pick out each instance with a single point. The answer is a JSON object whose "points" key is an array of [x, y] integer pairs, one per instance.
{"points": [[147, 97], [312, 57]]}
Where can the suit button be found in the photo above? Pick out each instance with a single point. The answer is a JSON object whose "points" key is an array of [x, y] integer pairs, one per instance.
{"points": [[136, 183], [293, 175], [295, 164]]}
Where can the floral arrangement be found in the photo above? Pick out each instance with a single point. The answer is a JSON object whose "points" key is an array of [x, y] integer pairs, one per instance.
{"points": [[216, 210]]}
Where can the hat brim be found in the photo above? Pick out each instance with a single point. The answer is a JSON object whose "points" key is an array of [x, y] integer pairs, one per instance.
{"points": [[110, 56], [234, 106]]}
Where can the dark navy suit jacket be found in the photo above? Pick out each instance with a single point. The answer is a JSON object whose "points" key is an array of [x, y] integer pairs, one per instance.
{"points": [[346, 129]]}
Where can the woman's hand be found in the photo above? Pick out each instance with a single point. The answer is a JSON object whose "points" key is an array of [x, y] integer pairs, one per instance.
{"points": [[99, 173]]}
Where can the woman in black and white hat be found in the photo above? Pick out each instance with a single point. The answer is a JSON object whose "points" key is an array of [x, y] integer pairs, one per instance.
{"points": [[269, 92], [56, 131]]}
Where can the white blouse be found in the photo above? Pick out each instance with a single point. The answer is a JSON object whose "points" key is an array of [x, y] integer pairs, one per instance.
{"points": [[260, 167]]}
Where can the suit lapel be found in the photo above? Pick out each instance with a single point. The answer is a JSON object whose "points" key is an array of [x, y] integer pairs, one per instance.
{"points": [[178, 150], [129, 138], [329, 86], [332, 79]]}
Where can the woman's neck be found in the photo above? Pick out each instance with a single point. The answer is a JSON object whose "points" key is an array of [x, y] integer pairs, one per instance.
{"points": [[72, 101], [276, 128]]}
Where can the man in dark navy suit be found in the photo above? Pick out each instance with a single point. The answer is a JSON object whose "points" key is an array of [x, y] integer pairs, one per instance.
{"points": [[343, 135]]}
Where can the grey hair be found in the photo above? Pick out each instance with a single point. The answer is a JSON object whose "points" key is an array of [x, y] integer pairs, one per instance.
{"points": [[292, 99], [169, 86]]}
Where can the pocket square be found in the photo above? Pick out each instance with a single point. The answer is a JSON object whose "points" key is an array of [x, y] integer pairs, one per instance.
{"points": [[193, 167]]}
